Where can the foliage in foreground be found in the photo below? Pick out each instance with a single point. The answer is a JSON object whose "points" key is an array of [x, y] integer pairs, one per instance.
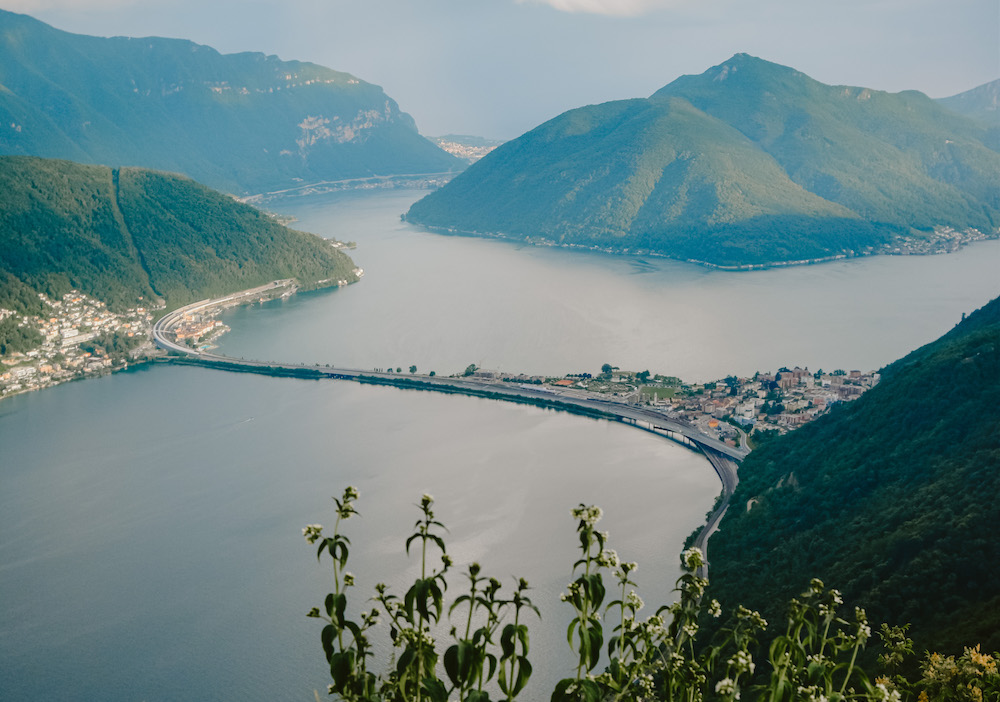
{"points": [[656, 658]]}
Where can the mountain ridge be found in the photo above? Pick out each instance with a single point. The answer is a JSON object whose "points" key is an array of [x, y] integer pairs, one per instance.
{"points": [[747, 163], [242, 122]]}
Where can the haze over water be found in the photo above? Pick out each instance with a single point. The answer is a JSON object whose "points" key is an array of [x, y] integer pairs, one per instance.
{"points": [[150, 543]]}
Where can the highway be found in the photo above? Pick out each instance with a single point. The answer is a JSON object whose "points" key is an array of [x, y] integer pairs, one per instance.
{"points": [[725, 459]]}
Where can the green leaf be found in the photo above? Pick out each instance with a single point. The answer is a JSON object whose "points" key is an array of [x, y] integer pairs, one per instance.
{"points": [[523, 673], [507, 640], [405, 661], [596, 637], [452, 666], [522, 634], [342, 668], [435, 689], [327, 636]]}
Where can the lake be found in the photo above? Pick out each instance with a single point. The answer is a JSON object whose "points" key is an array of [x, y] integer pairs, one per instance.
{"points": [[150, 521]]}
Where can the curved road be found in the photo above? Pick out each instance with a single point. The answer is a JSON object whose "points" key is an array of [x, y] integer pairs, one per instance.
{"points": [[724, 459]]}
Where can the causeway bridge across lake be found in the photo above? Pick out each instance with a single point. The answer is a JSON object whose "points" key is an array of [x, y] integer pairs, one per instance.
{"points": [[725, 459]]}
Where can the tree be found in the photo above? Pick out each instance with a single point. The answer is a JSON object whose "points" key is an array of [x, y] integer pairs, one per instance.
{"points": [[413, 369], [470, 369], [607, 368]]}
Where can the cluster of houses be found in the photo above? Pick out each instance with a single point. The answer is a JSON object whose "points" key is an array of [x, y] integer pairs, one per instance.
{"points": [[768, 401], [68, 324]]}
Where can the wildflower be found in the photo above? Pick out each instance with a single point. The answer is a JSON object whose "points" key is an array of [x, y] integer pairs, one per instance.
{"points": [[690, 629], [654, 625], [608, 558], [812, 694], [693, 558], [715, 609], [837, 599], [426, 501], [742, 662], [351, 493], [885, 693], [727, 686], [864, 631], [645, 683], [589, 515], [314, 613], [348, 579], [312, 532], [984, 661], [634, 601], [815, 586], [446, 560]]}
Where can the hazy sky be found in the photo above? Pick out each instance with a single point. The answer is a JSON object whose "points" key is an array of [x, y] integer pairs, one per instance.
{"points": [[497, 68]]}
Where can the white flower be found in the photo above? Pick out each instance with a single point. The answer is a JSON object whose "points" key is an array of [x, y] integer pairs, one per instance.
{"points": [[312, 532], [727, 686], [608, 558], [742, 662], [693, 558], [634, 601], [715, 609]]}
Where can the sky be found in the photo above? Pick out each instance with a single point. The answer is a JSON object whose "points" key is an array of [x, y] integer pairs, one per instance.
{"points": [[497, 68]]}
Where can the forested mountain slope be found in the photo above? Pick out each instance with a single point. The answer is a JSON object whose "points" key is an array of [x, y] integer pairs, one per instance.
{"points": [[238, 122], [747, 163], [891, 498], [131, 235]]}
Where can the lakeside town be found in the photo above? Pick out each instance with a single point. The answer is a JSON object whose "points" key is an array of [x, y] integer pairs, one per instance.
{"points": [[76, 336]]}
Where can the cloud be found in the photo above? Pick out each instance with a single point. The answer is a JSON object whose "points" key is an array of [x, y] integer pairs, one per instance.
{"points": [[622, 8]]}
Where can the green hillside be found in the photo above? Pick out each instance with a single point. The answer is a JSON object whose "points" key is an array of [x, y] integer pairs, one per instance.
{"points": [[127, 235], [239, 122], [891, 498], [748, 163]]}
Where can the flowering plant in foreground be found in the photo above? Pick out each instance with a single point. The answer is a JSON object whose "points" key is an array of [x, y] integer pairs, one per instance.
{"points": [[654, 658]]}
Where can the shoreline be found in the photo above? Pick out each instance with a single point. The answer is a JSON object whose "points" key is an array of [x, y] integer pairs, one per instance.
{"points": [[901, 246], [146, 352]]}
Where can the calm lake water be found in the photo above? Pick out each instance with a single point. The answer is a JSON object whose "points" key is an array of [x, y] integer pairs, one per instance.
{"points": [[150, 521], [443, 302]]}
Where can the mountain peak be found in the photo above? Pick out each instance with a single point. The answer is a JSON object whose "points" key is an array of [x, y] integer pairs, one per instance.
{"points": [[741, 70]]}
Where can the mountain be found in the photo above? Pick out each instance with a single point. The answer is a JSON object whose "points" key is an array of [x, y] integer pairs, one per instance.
{"points": [[126, 235], [747, 163], [891, 498], [238, 122], [982, 103]]}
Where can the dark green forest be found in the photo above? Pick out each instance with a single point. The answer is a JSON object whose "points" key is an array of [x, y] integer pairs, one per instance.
{"points": [[891, 498], [747, 163], [131, 236]]}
